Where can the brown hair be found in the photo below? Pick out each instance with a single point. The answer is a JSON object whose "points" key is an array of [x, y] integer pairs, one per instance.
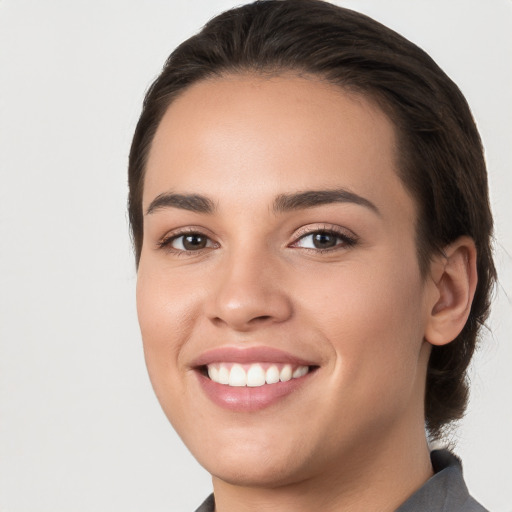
{"points": [[440, 153]]}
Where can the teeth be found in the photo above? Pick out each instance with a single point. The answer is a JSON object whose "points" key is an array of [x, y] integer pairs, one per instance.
{"points": [[254, 375], [300, 371], [223, 375], [286, 373], [272, 375], [237, 376], [213, 373]]}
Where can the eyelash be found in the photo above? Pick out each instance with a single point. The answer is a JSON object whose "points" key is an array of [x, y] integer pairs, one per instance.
{"points": [[347, 240], [166, 241]]}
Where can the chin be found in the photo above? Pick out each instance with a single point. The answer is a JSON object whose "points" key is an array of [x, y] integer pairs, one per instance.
{"points": [[265, 459], [267, 470]]}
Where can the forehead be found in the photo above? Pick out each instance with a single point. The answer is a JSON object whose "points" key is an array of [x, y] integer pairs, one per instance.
{"points": [[271, 134]]}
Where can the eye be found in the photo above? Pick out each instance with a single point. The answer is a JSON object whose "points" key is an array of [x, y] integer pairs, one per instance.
{"points": [[187, 242], [324, 240]]}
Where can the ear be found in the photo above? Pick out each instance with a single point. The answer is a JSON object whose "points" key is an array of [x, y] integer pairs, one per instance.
{"points": [[454, 279]]}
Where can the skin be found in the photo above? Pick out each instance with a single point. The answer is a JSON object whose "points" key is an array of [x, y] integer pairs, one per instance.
{"points": [[353, 436]]}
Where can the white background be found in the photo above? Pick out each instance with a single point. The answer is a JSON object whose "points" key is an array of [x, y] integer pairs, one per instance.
{"points": [[80, 429]]}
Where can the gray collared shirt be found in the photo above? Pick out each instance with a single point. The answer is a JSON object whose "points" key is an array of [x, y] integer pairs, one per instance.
{"points": [[444, 492]]}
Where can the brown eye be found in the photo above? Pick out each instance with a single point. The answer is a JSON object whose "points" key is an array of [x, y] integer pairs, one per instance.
{"points": [[191, 242], [324, 240]]}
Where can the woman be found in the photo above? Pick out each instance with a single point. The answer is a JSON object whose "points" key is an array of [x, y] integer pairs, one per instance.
{"points": [[309, 207]]}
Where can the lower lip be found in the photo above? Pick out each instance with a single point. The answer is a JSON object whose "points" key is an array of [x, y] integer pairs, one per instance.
{"points": [[246, 399]]}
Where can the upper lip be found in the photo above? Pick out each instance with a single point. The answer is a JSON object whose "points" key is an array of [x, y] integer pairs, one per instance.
{"points": [[259, 354]]}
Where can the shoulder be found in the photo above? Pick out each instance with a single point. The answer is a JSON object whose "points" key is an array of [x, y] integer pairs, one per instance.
{"points": [[208, 505]]}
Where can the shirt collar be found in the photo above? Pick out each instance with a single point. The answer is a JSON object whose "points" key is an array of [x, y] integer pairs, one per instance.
{"points": [[445, 491]]}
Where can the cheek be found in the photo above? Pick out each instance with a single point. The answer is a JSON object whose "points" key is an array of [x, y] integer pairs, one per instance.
{"points": [[373, 317], [166, 314]]}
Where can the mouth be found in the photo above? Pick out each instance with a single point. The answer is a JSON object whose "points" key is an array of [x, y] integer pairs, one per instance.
{"points": [[251, 379]]}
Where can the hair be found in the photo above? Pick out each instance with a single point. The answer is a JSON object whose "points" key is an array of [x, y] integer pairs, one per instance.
{"points": [[440, 155]]}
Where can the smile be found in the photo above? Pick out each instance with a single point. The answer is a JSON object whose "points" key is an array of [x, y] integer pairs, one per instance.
{"points": [[254, 375], [251, 379]]}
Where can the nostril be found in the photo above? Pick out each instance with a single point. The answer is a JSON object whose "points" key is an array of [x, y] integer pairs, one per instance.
{"points": [[261, 318], [218, 321]]}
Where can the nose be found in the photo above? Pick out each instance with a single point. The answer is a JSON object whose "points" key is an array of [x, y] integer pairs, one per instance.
{"points": [[249, 293]]}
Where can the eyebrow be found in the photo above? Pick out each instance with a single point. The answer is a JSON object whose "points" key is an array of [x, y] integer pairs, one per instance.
{"points": [[313, 198], [283, 202], [192, 202]]}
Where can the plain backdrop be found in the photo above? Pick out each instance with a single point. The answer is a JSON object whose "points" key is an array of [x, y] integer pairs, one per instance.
{"points": [[80, 429]]}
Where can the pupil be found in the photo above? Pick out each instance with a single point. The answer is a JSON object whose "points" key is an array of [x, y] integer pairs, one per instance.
{"points": [[324, 240], [194, 242]]}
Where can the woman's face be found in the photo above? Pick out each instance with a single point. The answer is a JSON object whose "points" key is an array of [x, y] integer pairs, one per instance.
{"points": [[279, 257]]}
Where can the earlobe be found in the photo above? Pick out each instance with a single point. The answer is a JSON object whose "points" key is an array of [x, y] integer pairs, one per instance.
{"points": [[454, 278]]}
